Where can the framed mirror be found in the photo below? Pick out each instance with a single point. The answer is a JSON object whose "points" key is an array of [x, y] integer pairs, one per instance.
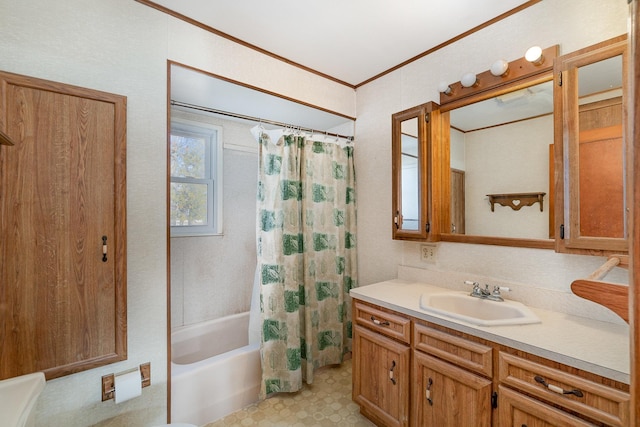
{"points": [[593, 211], [501, 159], [417, 163], [500, 148], [410, 174]]}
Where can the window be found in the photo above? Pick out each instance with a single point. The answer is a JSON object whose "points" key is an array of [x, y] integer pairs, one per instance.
{"points": [[196, 178]]}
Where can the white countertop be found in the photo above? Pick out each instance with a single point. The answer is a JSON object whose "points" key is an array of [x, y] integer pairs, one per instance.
{"points": [[591, 345]]}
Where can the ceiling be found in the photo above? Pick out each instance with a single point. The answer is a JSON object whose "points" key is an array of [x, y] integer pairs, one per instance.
{"points": [[348, 40], [197, 89]]}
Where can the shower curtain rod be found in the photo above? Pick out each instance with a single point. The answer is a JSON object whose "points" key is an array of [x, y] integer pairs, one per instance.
{"points": [[257, 119]]}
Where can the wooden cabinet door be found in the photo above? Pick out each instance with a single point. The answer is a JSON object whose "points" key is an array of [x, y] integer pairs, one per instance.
{"points": [[591, 168], [447, 396], [420, 174], [381, 378], [62, 188], [518, 410]]}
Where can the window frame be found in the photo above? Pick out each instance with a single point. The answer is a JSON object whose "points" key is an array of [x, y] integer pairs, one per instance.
{"points": [[213, 136]]}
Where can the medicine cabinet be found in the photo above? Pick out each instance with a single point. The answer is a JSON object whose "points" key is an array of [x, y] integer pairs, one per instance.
{"points": [[445, 183], [419, 160], [547, 137], [592, 202]]}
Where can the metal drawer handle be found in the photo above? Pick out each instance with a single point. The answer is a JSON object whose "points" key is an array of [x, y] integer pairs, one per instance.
{"points": [[393, 366], [557, 389], [379, 323]]}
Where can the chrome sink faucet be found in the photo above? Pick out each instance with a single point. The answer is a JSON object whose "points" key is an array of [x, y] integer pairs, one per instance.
{"points": [[477, 291], [485, 293]]}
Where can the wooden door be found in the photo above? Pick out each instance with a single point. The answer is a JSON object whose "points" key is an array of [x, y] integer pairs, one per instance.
{"points": [[62, 188], [457, 202], [381, 378], [447, 396]]}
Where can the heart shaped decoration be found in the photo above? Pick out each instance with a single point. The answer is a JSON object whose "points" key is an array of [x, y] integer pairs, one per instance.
{"points": [[516, 202]]}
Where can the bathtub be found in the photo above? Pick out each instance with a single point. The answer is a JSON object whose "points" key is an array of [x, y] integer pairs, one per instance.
{"points": [[214, 370]]}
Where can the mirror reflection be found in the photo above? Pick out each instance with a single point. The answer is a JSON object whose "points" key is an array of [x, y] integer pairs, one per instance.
{"points": [[502, 145], [410, 175], [599, 150]]}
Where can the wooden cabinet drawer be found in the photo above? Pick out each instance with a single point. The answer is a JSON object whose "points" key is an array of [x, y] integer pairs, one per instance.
{"points": [[516, 409], [459, 351], [596, 401], [388, 324]]}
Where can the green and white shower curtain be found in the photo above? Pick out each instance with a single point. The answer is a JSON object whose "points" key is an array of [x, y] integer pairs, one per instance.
{"points": [[306, 243]]}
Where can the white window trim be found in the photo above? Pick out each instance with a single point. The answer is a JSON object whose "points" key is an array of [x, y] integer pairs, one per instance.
{"points": [[217, 188]]}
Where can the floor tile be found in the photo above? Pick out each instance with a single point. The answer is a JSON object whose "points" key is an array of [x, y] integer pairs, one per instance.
{"points": [[326, 402]]}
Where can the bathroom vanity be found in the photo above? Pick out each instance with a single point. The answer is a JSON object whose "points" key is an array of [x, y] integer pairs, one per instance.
{"points": [[414, 367]]}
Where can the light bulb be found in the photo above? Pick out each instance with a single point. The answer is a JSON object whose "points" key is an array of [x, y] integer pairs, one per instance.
{"points": [[534, 55], [499, 68], [444, 87], [468, 80]]}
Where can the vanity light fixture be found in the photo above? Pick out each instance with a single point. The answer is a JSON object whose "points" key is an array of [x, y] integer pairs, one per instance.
{"points": [[444, 87], [499, 68], [534, 55], [469, 80]]}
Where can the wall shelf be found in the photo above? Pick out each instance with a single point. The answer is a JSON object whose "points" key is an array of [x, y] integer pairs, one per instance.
{"points": [[516, 200]]}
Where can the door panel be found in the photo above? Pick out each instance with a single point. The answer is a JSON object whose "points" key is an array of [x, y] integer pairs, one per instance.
{"points": [[63, 307]]}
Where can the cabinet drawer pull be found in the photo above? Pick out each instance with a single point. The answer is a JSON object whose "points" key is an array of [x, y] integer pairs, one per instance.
{"points": [[104, 248], [557, 389], [379, 323], [393, 366], [427, 392]]}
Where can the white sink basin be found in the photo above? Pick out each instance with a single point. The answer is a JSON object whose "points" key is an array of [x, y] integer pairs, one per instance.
{"points": [[477, 311], [17, 398]]}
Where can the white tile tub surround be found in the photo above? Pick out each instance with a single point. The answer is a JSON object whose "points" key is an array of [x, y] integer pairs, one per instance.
{"points": [[536, 277], [202, 287]]}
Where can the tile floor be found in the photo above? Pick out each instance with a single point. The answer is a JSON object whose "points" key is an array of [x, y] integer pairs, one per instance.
{"points": [[326, 402]]}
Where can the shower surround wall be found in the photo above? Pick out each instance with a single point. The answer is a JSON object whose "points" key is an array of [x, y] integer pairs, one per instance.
{"points": [[212, 276]]}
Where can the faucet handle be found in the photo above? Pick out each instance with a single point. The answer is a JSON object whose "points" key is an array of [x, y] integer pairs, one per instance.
{"points": [[495, 295], [476, 292]]}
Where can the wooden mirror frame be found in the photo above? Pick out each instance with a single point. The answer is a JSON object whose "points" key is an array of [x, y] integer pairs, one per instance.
{"points": [[431, 160], [567, 129], [521, 74]]}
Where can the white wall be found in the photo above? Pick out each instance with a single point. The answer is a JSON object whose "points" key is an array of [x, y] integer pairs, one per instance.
{"points": [[512, 158], [572, 24], [122, 46]]}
